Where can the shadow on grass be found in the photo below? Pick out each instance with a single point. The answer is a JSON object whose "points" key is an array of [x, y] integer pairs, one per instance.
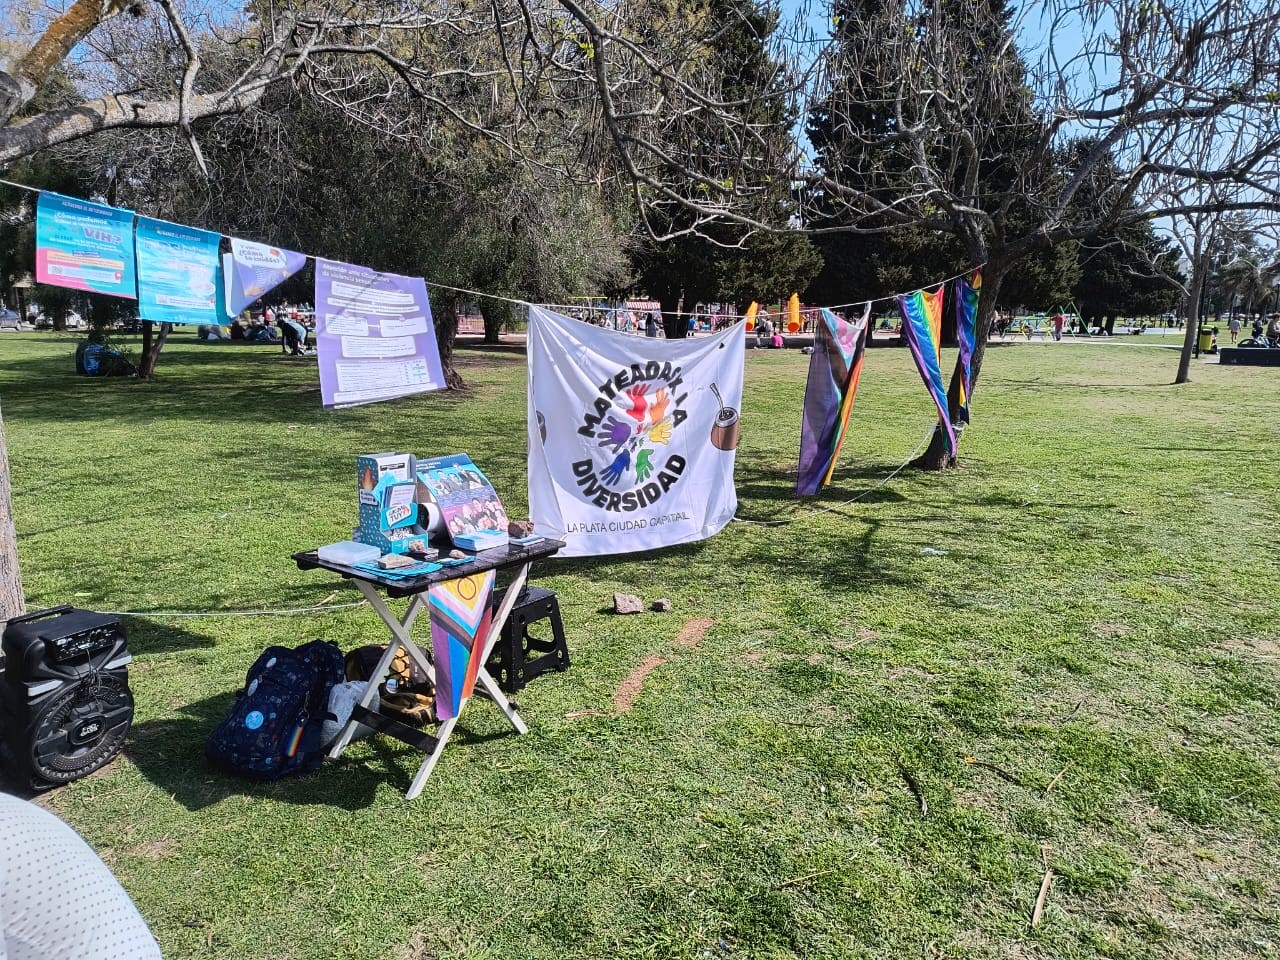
{"points": [[170, 754], [249, 387]]}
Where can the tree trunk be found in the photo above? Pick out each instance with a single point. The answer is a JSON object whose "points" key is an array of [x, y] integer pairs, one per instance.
{"points": [[151, 347], [444, 313], [937, 457], [667, 318], [1199, 271], [497, 314], [11, 603]]}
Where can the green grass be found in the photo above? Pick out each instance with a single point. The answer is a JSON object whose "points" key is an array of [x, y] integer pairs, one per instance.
{"points": [[1104, 623]]}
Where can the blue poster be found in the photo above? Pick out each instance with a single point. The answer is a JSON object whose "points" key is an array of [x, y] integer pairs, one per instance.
{"points": [[84, 246], [177, 273]]}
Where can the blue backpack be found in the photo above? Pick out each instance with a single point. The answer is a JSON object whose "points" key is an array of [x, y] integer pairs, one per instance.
{"points": [[273, 730]]}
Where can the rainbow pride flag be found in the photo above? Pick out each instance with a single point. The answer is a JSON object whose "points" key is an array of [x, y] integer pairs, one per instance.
{"points": [[922, 326], [460, 618], [834, 369], [967, 293]]}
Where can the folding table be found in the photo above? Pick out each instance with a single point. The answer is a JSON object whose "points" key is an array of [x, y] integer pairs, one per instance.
{"points": [[512, 556]]}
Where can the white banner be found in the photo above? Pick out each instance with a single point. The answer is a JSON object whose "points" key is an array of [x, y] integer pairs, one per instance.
{"points": [[631, 439]]}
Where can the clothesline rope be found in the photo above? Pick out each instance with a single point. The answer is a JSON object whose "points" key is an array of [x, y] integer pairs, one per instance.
{"points": [[559, 306], [287, 612]]}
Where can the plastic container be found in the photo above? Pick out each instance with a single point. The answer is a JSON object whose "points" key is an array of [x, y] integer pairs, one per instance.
{"points": [[348, 553]]}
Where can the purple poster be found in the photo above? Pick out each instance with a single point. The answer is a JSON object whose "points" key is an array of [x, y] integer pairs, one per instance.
{"points": [[374, 335]]}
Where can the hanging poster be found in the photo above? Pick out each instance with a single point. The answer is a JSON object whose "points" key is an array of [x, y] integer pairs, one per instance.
{"points": [[967, 293], [922, 328], [631, 440], [834, 369], [177, 273], [374, 335], [464, 496], [85, 246], [460, 618], [255, 269]]}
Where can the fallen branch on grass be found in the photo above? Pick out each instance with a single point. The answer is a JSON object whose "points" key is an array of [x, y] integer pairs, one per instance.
{"points": [[914, 784], [1046, 882], [998, 770]]}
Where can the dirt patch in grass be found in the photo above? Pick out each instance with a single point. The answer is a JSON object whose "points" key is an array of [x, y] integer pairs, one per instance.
{"points": [[161, 849], [1262, 648], [625, 696], [693, 632], [1108, 629]]}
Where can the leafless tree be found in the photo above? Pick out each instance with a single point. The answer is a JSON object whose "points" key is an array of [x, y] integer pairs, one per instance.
{"points": [[949, 117], [619, 81]]}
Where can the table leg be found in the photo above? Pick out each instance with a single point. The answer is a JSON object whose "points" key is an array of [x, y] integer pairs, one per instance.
{"points": [[429, 764], [399, 638]]}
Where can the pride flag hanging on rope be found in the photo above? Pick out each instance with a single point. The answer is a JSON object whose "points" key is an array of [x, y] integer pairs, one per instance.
{"points": [[751, 315], [460, 617], [922, 326], [793, 314], [967, 293], [834, 368]]}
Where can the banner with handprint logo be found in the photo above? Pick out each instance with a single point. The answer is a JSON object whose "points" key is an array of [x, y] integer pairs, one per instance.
{"points": [[631, 440]]}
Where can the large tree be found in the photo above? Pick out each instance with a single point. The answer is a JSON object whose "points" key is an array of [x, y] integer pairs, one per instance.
{"points": [[971, 133], [687, 258]]}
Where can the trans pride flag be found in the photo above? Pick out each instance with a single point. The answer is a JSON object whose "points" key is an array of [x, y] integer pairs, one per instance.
{"points": [[460, 617], [834, 369], [967, 294], [922, 326]]}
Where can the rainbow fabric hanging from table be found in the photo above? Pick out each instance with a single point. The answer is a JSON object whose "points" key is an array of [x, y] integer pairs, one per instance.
{"points": [[967, 293], [922, 327], [834, 370], [460, 618]]}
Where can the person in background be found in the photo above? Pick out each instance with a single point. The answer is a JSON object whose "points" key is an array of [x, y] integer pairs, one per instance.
{"points": [[764, 329], [1058, 321], [650, 325], [1233, 327], [58, 901]]}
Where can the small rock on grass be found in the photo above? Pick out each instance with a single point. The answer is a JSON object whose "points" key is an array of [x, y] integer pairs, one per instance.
{"points": [[627, 603], [661, 606]]}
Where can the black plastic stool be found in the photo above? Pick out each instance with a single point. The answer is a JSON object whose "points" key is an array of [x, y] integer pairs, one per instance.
{"points": [[518, 657]]}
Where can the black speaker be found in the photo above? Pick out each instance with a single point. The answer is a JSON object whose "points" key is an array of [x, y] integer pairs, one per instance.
{"points": [[66, 699]]}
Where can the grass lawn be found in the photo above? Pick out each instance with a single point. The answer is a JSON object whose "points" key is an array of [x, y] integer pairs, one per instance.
{"points": [[1087, 678]]}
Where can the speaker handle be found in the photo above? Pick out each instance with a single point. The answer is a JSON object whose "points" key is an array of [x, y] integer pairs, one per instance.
{"points": [[41, 614]]}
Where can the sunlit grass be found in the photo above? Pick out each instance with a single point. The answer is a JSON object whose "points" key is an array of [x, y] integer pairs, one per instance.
{"points": [[1087, 677]]}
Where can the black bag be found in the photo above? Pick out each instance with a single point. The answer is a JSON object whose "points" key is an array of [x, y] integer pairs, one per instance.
{"points": [[274, 729]]}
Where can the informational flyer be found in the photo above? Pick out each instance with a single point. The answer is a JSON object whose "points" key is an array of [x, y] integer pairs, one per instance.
{"points": [[374, 335], [466, 498], [255, 269], [177, 273], [85, 246]]}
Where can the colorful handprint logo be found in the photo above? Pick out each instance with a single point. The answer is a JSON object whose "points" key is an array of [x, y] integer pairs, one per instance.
{"points": [[631, 432], [634, 433]]}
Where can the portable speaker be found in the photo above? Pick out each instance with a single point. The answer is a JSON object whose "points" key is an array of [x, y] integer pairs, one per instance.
{"points": [[66, 699]]}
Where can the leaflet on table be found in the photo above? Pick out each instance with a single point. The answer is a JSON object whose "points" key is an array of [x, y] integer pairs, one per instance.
{"points": [[255, 269], [85, 246], [399, 573], [463, 493], [177, 273], [374, 335]]}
